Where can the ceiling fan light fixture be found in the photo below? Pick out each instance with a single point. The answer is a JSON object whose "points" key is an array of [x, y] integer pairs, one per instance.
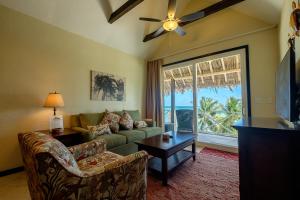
{"points": [[170, 24]]}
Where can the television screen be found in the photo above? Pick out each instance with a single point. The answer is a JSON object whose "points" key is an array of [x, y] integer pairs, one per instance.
{"points": [[286, 89]]}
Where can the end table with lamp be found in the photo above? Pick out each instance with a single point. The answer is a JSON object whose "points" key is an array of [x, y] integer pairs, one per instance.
{"points": [[67, 136], [55, 100]]}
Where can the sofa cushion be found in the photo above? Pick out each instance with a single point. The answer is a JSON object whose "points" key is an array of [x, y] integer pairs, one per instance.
{"points": [[140, 124], [151, 131], [126, 121], [113, 140], [120, 113], [125, 149], [133, 135], [75, 121], [112, 119], [100, 129], [90, 119], [135, 114]]}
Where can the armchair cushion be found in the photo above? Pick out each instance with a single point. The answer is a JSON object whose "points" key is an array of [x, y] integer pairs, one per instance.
{"points": [[87, 149], [96, 163]]}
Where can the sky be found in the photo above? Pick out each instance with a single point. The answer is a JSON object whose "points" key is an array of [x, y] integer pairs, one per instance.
{"points": [[220, 94]]}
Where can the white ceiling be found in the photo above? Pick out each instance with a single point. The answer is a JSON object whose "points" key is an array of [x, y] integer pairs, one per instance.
{"points": [[266, 10], [88, 18]]}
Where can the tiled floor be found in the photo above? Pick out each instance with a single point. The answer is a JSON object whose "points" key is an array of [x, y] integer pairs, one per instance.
{"points": [[14, 187]]}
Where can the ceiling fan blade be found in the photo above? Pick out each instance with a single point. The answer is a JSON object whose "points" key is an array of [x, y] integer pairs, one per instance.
{"points": [[158, 32], [150, 19], [171, 9], [223, 4], [154, 34], [192, 17], [179, 30]]}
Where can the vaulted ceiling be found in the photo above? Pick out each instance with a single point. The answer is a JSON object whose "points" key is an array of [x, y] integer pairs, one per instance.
{"points": [[89, 18]]}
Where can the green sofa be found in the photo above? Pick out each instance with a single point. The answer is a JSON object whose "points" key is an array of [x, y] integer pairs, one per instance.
{"points": [[122, 142]]}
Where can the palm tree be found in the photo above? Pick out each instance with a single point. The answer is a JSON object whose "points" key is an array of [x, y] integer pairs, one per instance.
{"points": [[233, 113], [208, 114], [107, 85]]}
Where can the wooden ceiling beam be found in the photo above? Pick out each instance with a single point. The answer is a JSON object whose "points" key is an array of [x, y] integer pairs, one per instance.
{"points": [[125, 8]]}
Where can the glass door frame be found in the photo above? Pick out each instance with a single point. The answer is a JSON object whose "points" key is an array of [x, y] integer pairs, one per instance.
{"points": [[245, 78]]}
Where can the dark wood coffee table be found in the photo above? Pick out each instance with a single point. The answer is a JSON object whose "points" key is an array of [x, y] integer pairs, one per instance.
{"points": [[168, 154]]}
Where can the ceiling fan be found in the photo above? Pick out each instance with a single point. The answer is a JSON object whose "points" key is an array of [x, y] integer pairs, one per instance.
{"points": [[171, 23]]}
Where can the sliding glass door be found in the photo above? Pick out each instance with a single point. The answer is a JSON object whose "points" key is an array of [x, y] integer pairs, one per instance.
{"points": [[178, 98], [214, 88]]}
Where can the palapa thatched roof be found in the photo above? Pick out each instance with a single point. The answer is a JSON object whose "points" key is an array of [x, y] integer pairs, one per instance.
{"points": [[221, 72]]}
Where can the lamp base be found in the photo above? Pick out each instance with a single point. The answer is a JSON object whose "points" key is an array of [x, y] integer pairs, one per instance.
{"points": [[56, 123]]}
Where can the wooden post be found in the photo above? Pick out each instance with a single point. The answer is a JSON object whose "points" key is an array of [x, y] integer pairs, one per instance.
{"points": [[173, 101]]}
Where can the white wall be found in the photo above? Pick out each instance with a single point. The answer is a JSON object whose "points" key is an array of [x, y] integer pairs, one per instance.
{"points": [[37, 58], [228, 29]]}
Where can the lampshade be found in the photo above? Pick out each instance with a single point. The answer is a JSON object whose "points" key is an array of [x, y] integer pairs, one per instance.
{"points": [[54, 100]]}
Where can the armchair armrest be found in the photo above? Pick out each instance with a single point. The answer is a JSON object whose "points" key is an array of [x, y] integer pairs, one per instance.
{"points": [[87, 149]]}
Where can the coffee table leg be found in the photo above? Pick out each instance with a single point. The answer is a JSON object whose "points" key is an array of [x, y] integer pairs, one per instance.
{"points": [[164, 171], [194, 150]]}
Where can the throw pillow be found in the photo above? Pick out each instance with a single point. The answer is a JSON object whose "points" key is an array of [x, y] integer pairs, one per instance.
{"points": [[112, 120], [140, 124], [100, 129], [126, 121]]}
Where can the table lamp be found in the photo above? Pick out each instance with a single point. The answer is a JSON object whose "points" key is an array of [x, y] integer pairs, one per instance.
{"points": [[55, 100]]}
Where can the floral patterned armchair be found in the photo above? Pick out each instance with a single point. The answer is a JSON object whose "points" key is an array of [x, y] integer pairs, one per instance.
{"points": [[85, 171]]}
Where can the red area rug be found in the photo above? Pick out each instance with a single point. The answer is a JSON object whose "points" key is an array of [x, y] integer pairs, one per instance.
{"points": [[214, 175]]}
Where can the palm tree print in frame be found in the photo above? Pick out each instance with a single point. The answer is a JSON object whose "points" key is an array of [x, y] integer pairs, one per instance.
{"points": [[107, 87]]}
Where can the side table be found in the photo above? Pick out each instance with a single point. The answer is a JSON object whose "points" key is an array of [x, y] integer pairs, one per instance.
{"points": [[68, 137]]}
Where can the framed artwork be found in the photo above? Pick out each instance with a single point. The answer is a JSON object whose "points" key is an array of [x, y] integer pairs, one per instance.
{"points": [[107, 87]]}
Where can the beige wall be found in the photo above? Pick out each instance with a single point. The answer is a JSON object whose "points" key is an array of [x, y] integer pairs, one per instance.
{"points": [[224, 30], [285, 29], [36, 58]]}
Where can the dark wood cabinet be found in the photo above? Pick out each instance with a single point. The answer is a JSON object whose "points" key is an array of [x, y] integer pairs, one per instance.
{"points": [[268, 160]]}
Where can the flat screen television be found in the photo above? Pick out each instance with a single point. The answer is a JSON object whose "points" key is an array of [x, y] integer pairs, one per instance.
{"points": [[286, 88]]}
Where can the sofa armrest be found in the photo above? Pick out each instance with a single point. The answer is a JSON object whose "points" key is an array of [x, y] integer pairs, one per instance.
{"points": [[86, 135], [87, 149], [80, 129], [150, 122]]}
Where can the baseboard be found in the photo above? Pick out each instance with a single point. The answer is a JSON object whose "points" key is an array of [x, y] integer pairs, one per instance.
{"points": [[11, 171]]}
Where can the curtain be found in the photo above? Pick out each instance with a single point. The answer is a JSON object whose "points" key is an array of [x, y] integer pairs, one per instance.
{"points": [[153, 92]]}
